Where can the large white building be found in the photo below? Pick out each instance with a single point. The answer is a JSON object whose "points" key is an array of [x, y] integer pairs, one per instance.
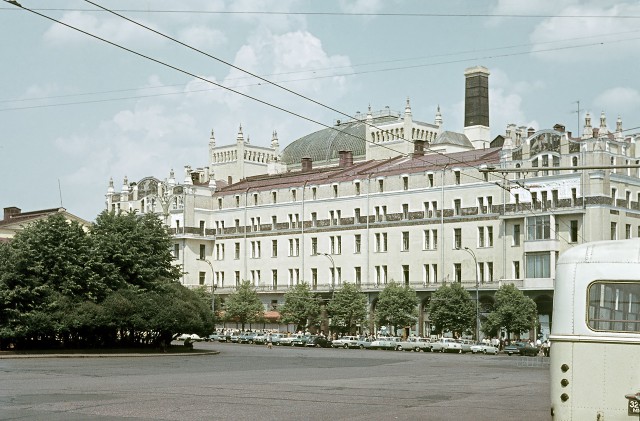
{"points": [[385, 197]]}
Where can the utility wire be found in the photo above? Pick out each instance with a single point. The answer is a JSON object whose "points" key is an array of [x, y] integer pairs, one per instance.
{"points": [[331, 14]]}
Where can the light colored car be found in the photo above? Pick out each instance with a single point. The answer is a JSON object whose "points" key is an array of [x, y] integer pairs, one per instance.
{"points": [[414, 344], [364, 342], [286, 340], [385, 342], [484, 348], [465, 344], [191, 336], [446, 345], [345, 342]]}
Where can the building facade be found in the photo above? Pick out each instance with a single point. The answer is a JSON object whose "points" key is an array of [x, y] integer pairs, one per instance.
{"points": [[400, 200]]}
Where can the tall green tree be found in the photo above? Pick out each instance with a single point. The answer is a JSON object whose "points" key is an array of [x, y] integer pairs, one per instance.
{"points": [[301, 307], [244, 305], [452, 310], [347, 308], [397, 306], [513, 311], [134, 250]]}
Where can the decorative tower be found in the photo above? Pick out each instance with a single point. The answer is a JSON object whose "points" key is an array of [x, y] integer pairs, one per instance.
{"points": [[587, 133], [438, 120]]}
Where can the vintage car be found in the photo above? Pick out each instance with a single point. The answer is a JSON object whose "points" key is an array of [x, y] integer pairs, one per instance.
{"points": [[484, 349], [385, 342], [446, 345], [414, 343], [345, 342], [318, 341], [521, 348]]}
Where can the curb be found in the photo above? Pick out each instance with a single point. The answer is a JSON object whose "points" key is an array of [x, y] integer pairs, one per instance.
{"points": [[115, 355]]}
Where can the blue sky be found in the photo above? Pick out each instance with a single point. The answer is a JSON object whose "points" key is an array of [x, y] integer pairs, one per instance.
{"points": [[75, 111]]}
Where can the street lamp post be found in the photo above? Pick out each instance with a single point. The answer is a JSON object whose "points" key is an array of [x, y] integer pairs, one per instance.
{"points": [[213, 292], [475, 261]]}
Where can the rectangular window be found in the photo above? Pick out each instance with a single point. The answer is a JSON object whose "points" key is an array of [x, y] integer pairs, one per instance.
{"points": [[538, 265], [544, 199], [573, 231], [314, 278], [297, 247], [434, 239], [338, 244], [434, 208], [516, 270], [357, 187], [314, 193], [357, 275], [356, 216], [627, 231], [219, 203], [516, 235], [614, 230], [384, 274], [335, 190], [481, 205], [377, 244], [201, 278], [274, 197], [380, 186], [274, 248], [357, 243], [539, 227], [237, 277], [554, 198], [332, 217], [481, 272], [430, 178], [274, 278], [290, 247], [489, 236], [425, 274], [314, 246], [489, 272], [274, 222], [457, 209], [378, 275], [314, 219], [236, 251], [405, 241], [405, 275], [384, 241], [457, 272], [255, 199], [434, 272], [405, 211], [614, 306], [176, 251], [294, 195], [427, 240], [489, 204], [457, 176], [457, 238], [480, 236], [574, 196]]}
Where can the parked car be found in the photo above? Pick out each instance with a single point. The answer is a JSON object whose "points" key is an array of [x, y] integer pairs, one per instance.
{"points": [[247, 338], [286, 340], [212, 337], [345, 342], [224, 337], [318, 341], [521, 348], [385, 342], [446, 345], [276, 337], [414, 344], [465, 344], [484, 348], [364, 342], [300, 340], [191, 336], [260, 338], [234, 337]]}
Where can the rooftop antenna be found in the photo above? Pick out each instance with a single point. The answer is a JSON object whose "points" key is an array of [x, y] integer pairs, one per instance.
{"points": [[60, 192]]}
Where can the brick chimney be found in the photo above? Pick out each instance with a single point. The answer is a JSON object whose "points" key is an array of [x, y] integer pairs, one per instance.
{"points": [[307, 164], [346, 158], [11, 211]]}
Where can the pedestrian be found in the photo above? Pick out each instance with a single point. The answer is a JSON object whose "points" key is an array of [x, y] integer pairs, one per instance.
{"points": [[269, 342]]}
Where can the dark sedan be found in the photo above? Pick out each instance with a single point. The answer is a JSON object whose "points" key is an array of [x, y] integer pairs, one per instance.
{"points": [[521, 348], [318, 341]]}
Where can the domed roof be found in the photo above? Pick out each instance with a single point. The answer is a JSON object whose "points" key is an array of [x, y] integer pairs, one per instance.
{"points": [[323, 146]]}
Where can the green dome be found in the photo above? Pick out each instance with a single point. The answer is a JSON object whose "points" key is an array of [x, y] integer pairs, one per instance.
{"points": [[324, 145]]}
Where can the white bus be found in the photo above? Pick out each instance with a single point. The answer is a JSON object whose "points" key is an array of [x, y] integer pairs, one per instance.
{"points": [[595, 335]]}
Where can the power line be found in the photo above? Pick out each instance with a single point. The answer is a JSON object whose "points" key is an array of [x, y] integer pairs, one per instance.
{"points": [[332, 14]]}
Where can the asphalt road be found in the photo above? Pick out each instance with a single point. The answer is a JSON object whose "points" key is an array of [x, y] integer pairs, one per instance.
{"points": [[251, 382]]}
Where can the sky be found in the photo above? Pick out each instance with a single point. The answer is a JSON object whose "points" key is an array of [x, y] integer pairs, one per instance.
{"points": [[76, 111]]}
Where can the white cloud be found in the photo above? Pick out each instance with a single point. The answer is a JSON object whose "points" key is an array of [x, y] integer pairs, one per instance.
{"points": [[623, 101], [202, 37], [113, 29], [602, 37]]}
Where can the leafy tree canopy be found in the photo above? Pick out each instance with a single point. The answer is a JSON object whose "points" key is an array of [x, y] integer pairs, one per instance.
{"points": [[396, 306], [301, 307], [452, 310], [244, 305], [347, 308], [513, 311]]}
